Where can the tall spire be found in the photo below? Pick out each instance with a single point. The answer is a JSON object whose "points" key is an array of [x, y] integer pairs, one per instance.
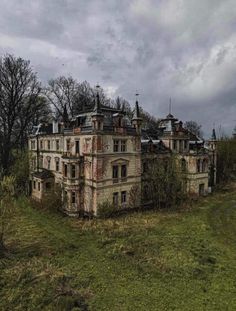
{"points": [[170, 106], [213, 136], [97, 106], [170, 115], [137, 110]]}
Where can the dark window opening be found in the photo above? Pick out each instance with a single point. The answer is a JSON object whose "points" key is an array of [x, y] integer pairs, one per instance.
{"points": [[115, 199], [38, 186], [77, 146], [49, 163], [116, 145], [57, 165], [67, 144], [115, 173], [73, 197], [123, 197], [48, 185], [73, 171], [65, 170], [174, 144], [123, 171], [123, 146], [198, 165], [57, 144], [185, 144]]}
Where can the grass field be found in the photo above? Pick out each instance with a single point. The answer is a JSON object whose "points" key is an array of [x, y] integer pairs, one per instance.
{"points": [[144, 261]]}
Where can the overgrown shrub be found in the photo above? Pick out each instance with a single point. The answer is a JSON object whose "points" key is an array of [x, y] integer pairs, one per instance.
{"points": [[105, 209], [226, 160], [20, 170], [7, 192], [52, 199]]}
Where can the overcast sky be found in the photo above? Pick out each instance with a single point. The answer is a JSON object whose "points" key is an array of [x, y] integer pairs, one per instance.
{"points": [[183, 49]]}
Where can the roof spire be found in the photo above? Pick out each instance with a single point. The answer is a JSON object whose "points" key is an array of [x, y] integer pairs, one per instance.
{"points": [[97, 100], [170, 106], [213, 136], [136, 111], [170, 115]]}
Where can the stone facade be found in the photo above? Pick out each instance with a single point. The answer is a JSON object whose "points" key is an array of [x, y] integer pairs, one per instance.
{"points": [[100, 156]]}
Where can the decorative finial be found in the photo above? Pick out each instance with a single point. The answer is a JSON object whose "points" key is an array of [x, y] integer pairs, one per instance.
{"points": [[170, 106]]}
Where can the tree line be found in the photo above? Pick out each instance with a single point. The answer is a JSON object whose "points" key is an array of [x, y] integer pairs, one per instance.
{"points": [[25, 102]]}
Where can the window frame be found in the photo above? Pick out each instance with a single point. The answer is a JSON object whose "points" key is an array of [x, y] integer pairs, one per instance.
{"points": [[116, 145], [73, 197], [73, 171], [123, 169], [123, 145], [123, 195], [115, 173], [115, 199]]}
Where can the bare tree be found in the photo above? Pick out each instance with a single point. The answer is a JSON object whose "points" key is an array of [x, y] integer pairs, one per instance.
{"points": [[194, 128], [19, 91], [62, 95]]}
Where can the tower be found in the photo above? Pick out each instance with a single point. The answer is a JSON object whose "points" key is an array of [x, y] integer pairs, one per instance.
{"points": [[97, 116], [137, 120], [213, 158]]}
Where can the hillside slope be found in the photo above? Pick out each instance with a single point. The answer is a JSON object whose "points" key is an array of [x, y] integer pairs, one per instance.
{"points": [[144, 261]]}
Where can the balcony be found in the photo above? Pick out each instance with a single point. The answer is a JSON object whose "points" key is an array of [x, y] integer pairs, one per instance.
{"points": [[70, 155]]}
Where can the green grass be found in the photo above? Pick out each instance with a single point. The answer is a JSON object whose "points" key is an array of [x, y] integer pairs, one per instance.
{"points": [[144, 261]]}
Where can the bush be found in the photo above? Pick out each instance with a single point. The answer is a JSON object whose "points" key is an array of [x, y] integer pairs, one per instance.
{"points": [[105, 209], [52, 199]]}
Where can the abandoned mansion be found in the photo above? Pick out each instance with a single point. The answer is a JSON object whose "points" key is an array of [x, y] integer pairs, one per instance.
{"points": [[102, 155]]}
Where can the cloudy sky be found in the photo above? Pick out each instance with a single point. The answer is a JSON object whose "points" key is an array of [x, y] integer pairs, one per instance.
{"points": [[183, 49]]}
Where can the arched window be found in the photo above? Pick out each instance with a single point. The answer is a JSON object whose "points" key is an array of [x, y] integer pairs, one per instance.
{"points": [[48, 162], [183, 165], [205, 165], [198, 166]]}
